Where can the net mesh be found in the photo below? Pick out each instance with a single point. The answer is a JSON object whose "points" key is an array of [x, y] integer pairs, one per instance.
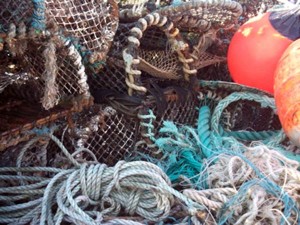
{"points": [[15, 11], [93, 23], [109, 134], [43, 72]]}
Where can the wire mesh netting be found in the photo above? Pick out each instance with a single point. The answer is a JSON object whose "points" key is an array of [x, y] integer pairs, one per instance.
{"points": [[93, 23]]}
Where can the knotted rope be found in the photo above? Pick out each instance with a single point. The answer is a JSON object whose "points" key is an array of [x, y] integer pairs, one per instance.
{"points": [[86, 193]]}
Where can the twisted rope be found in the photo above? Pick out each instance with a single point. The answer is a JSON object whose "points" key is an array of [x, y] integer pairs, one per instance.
{"points": [[147, 128], [137, 187], [265, 101], [38, 17], [131, 58], [86, 193]]}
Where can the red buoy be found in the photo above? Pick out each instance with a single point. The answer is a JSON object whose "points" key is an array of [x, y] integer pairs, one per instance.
{"points": [[255, 50]]}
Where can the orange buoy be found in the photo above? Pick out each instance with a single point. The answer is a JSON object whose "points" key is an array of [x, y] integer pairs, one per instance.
{"points": [[287, 91], [257, 46]]}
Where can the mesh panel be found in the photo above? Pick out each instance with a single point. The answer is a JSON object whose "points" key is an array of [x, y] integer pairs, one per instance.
{"points": [[15, 11], [120, 40], [114, 141], [108, 134], [154, 39], [163, 64], [94, 22], [38, 65], [111, 76]]}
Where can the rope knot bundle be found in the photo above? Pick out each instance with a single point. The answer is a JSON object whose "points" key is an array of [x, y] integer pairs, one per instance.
{"points": [[125, 187], [86, 193], [136, 187]]}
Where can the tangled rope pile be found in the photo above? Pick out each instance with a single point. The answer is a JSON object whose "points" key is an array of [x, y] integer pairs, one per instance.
{"points": [[87, 193], [239, 184], [260, 180]]}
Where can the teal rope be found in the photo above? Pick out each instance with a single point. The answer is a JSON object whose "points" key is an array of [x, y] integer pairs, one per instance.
{"points": [[250, 135], [38, 17], [204, 131], [242, 135]]}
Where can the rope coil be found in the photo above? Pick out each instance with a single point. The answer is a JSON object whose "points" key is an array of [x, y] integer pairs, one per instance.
{"points": [[88, 192]]}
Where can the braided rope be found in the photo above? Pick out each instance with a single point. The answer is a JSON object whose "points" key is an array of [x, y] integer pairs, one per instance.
{"points": [[265, 101], [203, 15]]}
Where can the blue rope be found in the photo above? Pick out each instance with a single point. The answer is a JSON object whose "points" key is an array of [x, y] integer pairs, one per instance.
{"points": [[38, 18], [204, 131]]}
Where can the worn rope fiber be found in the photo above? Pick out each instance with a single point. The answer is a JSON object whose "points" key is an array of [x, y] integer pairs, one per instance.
{"points": [[87, 192], [209, 157]]}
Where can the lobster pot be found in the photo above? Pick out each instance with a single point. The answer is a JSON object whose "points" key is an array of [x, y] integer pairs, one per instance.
{"points": [[242, 114], [19, 121], [112, 134], [42, 70]]}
